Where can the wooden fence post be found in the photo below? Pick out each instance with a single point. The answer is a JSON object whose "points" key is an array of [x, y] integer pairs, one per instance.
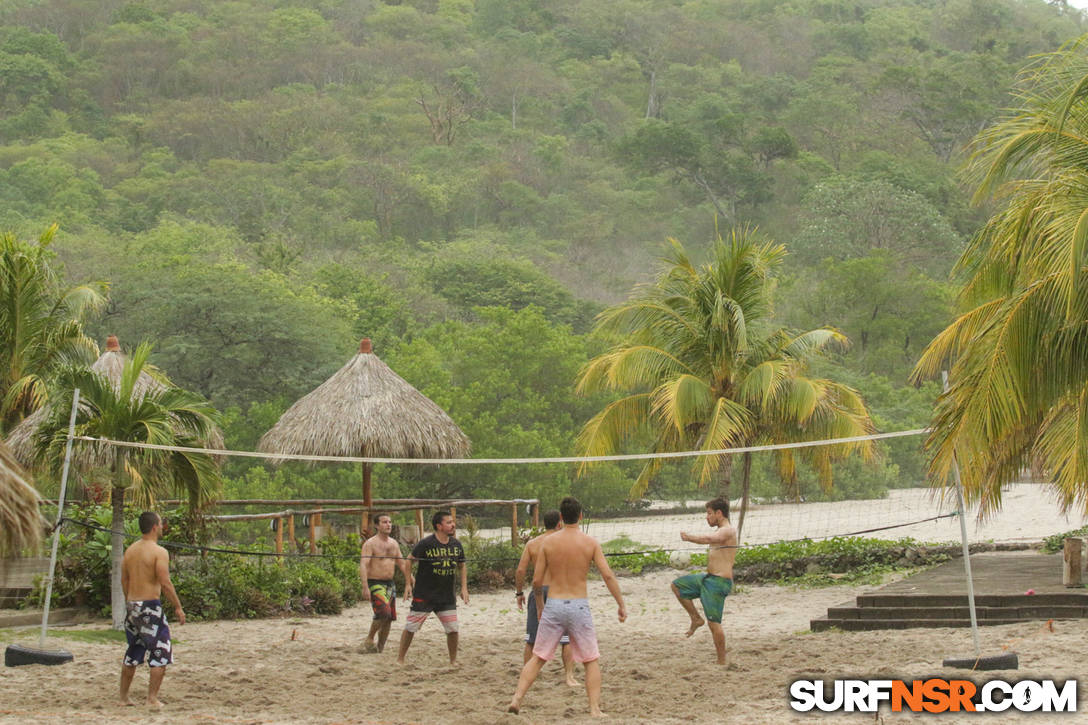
{"points": [[1073, 548], [291, 532], [514, 524], [419, 523], [313, 537], [536, 515], [453, 514], [279, 538]]}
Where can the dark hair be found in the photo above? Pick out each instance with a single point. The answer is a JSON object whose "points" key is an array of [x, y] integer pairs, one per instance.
{"points": [[148, 519], [377, 518], [437, 518], [551, 519], [719, 504], [570, 508]]}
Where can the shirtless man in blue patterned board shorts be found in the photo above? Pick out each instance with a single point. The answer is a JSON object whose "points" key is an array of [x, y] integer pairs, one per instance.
{"points": [[145, 574], [564, 561], [713, 587], [378, 562]]}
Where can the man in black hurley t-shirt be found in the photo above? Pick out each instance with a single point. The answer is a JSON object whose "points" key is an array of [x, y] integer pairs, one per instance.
{"points": [[440, 557]]}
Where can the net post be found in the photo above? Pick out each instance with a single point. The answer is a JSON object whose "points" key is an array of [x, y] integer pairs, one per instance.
{"points": [[963, 538], [514, 524], [60, 514]]}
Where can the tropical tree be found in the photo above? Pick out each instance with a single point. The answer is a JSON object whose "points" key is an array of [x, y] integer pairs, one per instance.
{"points": [[133, 411], [703, 367], [21, 522], [41, 324], [1017, 393]]}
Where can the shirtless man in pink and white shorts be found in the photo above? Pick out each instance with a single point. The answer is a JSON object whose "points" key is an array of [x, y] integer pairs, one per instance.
{"points": [[564, 560]]}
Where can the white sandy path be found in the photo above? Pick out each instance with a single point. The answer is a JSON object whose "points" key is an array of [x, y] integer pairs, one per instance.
{"points": [[251, 671], [1029, 513]]}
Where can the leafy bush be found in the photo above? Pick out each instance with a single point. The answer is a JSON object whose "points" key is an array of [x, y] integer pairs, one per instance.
{"points": [[317, 584], [630, 557], [1056, 543], [82, 576], [491, 564]]}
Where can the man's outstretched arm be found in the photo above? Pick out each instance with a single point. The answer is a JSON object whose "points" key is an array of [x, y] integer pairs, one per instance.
{"points": [[720, 537]]}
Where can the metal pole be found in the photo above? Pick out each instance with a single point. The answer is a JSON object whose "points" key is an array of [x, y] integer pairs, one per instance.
{"points": [[60, 513], [963, 539]]}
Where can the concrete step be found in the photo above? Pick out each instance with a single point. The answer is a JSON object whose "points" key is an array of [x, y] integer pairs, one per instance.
{"points": [[963, 612], [858, 625], [30, 618], [1074, 597]]}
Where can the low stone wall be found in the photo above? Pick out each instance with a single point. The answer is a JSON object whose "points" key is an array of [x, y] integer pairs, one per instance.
{"points": [[20, 573]]}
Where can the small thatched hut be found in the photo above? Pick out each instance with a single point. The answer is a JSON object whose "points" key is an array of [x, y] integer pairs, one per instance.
{"points": [[110, 364], [366, 409], [21, 523]]}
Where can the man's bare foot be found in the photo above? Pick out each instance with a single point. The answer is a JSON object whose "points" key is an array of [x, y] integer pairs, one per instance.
{"points": [[367, 648], [695, 624], [125, 702], [571, 682], [154, 704], [514, 708], [597, 713]]}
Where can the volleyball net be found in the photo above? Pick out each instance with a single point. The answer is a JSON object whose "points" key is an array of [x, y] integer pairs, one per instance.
{"points": [[886, 499]]}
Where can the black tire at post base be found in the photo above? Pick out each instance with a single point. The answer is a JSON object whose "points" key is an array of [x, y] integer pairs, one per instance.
{"points": [[16, 655], [998, 662]]}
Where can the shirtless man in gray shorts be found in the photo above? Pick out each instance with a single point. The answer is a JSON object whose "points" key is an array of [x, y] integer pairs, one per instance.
{"points": [[532, 618], [564, 561]]}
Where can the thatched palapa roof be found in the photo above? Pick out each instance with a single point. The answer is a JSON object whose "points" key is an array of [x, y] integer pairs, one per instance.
{"points": [[21, 523], [366, 409], [111, 365]]}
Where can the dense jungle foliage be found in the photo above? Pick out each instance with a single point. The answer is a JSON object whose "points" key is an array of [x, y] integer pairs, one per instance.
{"points": [[468, 182]]}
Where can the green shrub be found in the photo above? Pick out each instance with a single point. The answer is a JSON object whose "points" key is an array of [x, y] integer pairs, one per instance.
{"points": [[630, 557], [491, 564], [1056, 543], [315, 589], [82, 577]]}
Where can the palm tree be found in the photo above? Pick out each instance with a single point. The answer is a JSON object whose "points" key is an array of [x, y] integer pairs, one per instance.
{"points": [[40, 324], [126, 411], [703, 368], [21, 522], [1018, 350]]}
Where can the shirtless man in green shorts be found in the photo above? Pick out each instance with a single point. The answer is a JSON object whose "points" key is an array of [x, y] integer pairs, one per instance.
{"points": [[713, 587]]}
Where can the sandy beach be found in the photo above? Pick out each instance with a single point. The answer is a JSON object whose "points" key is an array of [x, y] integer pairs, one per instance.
{"points": [[254, 672]]}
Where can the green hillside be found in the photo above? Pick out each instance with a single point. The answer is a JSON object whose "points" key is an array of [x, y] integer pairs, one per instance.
{"points": [[468, 182]]}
